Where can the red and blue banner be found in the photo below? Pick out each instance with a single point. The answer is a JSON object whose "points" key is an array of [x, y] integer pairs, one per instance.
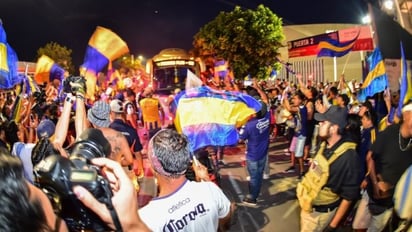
{"points": [[210, 117], [309, 46]]}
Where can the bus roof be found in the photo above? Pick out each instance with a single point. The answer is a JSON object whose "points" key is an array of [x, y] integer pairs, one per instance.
{"points": [[172, 54]]}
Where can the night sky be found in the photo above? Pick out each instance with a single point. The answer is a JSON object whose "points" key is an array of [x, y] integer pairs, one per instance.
{"points": [[147, 26]]}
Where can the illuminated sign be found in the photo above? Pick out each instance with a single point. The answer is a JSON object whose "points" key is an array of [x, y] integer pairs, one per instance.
{"points": [[309, 46], [175, 63]]}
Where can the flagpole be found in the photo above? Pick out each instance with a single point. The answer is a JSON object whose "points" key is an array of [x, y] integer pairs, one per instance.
{"points": [[335, 72], [346, 62], [26, 69]]}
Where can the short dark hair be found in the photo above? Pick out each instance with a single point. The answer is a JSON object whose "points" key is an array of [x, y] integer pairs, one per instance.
{"points": [[345, 99], [129, 92], [18, 212], [172, 150], [333, 90]]}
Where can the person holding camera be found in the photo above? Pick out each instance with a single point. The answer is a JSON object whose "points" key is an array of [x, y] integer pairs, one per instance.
{"points": [[98, 117], [24, 207], [182, 204], [124, 198]]}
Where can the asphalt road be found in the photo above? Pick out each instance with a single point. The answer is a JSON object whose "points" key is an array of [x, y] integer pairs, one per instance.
{"points": [[277, 208]]}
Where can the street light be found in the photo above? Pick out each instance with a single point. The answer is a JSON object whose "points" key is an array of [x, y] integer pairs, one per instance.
{"points": [[388, 4], [366, 19]]}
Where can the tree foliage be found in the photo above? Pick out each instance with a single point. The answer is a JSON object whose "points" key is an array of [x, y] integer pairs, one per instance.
{"points": [[60, 54], [248, 39]]}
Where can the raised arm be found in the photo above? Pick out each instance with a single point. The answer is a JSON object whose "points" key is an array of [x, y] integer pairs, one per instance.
{"points": [[62, 125], [262, 94]]}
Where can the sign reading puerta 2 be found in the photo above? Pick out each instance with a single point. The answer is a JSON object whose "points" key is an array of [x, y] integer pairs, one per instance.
{"points": [[309, 46]]}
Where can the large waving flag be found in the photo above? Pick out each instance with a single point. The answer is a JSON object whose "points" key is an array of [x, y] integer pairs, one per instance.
{"points": [[406, 83], [210, 117], [47, 70], [104, 46], [334, 48], [376, 81], [8, 62]]}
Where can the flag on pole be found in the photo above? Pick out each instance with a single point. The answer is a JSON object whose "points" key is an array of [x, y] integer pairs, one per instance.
{"points": [[210, 117], [334, 48], [221, 70], [376, 81], [8, 62], [47, 70], [192, 81], [30, 85], [406, 83], [104, 46]]}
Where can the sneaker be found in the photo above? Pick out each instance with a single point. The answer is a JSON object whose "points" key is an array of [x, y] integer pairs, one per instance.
{"points": [[301, 175], [248, 201], [248, 178], [266, 176], [290, 170]]}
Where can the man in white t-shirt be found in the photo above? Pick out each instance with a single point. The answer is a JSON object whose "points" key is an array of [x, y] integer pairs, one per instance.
{"points": [[182, 205]]}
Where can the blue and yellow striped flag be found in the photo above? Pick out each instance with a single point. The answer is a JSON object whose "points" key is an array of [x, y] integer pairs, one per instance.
{"points": [[376, 81], [406, 83], [104, 46], [47, 70], [334, 48], [210, 117], [8, 63]]}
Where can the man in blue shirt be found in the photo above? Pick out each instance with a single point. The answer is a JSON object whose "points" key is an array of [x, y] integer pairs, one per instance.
{"points": [[256, 134], [119, 124]]}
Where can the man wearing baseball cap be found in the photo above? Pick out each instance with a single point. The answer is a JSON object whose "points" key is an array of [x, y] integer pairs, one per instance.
{"points": [[331, 184], [117, 114]]}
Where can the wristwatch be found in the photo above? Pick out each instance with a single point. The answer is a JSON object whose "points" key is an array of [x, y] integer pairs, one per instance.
{"points": [[69, 100]]}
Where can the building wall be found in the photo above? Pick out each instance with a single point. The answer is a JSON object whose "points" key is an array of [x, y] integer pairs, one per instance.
{"points": [[353, 68]]}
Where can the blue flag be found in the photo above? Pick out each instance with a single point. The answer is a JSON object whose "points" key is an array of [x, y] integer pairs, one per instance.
{"points": [[334, 48], [406, 83], [225, 111], [8, 63], [376, 81]]}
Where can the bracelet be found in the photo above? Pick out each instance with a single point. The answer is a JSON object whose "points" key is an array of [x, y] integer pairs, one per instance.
{"points": [[69, 100], [80, 97]]}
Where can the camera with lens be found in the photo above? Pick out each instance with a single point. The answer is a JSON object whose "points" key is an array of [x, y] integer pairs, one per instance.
{"points": [[56, 176], [78, 80]]}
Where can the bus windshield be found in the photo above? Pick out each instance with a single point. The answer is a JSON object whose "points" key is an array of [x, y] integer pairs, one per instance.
{"points": [[168, 70], [169, 78]]}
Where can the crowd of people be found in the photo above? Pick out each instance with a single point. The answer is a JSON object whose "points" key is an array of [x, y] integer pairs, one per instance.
{"points": [[339, 148]]}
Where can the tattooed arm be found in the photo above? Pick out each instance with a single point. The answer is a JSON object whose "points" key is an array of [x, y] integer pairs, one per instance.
{"points": [[120, 148]]}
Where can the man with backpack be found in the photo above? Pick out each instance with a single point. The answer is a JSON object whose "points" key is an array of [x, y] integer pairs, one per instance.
{"points": [[331, 184]]}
